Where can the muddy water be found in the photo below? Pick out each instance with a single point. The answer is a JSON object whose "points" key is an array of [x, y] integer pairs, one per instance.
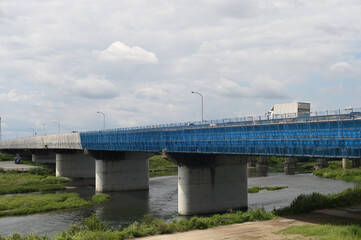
{"points": [[161, 200]]}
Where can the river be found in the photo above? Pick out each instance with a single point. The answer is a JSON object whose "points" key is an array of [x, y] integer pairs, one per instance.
{"points": [[161, 200]]}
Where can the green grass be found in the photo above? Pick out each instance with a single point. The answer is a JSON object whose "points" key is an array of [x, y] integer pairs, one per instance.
{"points": [[93, 228], [35, 180], [257, 189], [159, 167], [21, 204], [6, 157], [309, 167], [100, 198], [309, 202], [335, 171], [157, 162], [48, 168], [327, 231]]}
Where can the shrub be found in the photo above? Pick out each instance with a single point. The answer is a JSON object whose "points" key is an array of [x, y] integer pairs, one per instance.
{"points": [[100, 198]]}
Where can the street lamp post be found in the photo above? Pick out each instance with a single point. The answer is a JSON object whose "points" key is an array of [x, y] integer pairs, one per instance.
{"points": [[58, 125], [103, 119], [202, 102], [44, 129]]}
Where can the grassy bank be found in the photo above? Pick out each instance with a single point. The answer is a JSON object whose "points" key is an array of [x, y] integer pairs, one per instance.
{"points": [[159, 167], [309, 202], [340, 231], [32, 181], [33, 203], [335, 171], [93, 228], [6, 157]]}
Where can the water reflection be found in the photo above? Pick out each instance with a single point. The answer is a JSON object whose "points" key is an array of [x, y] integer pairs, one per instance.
{"points": [[124, 207]]}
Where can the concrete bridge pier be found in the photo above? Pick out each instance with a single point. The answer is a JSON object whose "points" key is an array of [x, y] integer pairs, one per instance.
{"points": [[356, 163], [290, 165], [321, 163], [262, 166], [74, 164], [121, 171], [344, 163], [210, 183], [43, 157]]}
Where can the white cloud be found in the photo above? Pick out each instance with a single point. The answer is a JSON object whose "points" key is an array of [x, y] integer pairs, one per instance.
{"points": [[13, 96], [341, 67], [119, 52], [137, 60], [95, 86], [260, 87]]}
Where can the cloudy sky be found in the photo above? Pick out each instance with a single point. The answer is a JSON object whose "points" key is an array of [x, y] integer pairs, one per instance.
{"points": [[138, 61]]}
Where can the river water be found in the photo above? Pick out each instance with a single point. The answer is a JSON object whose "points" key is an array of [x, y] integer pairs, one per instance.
{"points": [[161, 200]]}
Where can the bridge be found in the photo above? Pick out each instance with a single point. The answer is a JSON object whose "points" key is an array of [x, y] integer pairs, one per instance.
{"points": [[211, 155]]}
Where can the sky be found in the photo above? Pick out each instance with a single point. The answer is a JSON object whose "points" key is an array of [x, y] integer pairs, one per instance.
{"points": [[137, 61]]}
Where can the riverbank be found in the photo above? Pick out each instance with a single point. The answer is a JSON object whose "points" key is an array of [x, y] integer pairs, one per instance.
{"points": [[271, 230], [26, 190]]}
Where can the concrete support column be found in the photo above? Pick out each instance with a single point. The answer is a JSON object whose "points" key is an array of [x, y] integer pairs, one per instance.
{"points": [[356, 163], [249, 169], [211, 183], [321, 163], [122, 171], [43, 157], [74, 164], [262, 166], [290, 165], [344, 163]]}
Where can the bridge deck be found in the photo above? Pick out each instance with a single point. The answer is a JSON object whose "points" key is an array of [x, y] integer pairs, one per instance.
{"points": [[337, 135]]}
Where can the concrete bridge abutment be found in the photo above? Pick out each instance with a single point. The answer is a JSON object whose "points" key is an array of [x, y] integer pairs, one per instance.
{"points": [[74, 164], [210, 183], [121, 171]]}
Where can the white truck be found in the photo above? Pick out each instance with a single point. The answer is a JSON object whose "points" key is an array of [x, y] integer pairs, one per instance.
{"points": [[295, 109]]}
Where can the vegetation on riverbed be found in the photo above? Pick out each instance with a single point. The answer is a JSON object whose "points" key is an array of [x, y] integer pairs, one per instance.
{"points": [[36, 180], [335, 171], [159, 167], [93, 228], [309, 202], [100, 198], [327, 231], [257, 189], [33, 203], [6, 157]]}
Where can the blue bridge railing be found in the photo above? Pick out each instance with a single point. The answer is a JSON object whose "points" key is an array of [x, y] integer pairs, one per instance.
{"points": [[320, 134]]}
